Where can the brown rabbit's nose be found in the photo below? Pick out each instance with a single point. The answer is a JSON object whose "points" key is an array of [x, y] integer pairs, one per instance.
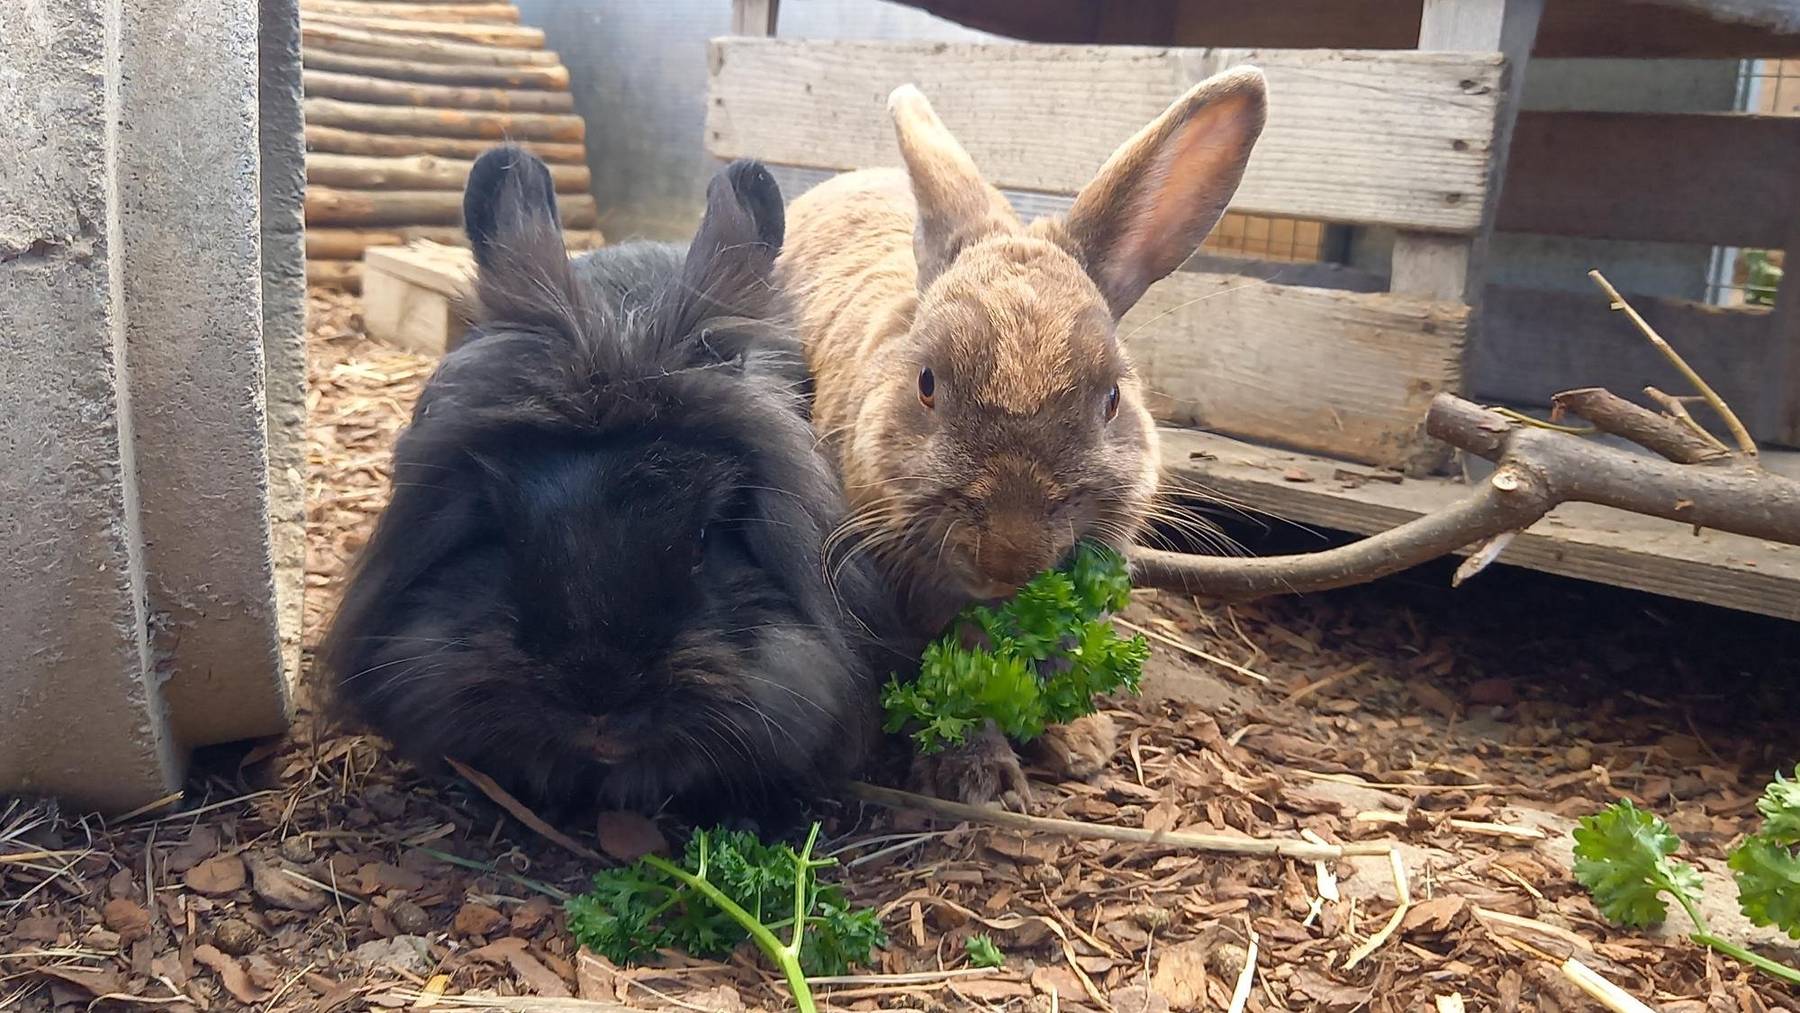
{"points": [[1012, 550]]}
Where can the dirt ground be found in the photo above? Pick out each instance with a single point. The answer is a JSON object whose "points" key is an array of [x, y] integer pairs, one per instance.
{"points": [[1473, 726]]}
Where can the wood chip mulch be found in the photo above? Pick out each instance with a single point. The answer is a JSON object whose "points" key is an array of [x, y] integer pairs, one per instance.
{"points": [[316, 874]]}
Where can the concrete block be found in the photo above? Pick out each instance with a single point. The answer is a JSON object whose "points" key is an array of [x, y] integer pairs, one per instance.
{"points": [[189, 183], [81, 713], [280, 131], [150, 500]]}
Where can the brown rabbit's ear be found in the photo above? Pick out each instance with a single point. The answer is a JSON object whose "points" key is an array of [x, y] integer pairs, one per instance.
{"points": [[956, 206], [1157, 197]]}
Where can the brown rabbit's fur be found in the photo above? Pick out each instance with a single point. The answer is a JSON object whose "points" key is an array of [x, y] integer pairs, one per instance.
{"points": [[1021, 448]]}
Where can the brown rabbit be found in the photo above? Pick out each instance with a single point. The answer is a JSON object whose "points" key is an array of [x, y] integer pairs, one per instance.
{"points": [[969, 380]]}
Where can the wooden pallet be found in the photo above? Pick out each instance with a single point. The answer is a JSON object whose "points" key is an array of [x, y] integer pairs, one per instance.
{"points": [[400, 100], [1575, 540]]}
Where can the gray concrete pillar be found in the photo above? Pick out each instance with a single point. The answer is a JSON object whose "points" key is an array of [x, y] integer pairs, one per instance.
{"points": [[149, 543], [284, 307], [80, 709]]}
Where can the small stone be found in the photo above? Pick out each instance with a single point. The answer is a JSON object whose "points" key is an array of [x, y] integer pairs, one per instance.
{"points": [[1150, 916], [1579, 757], [37, 929], [409, 918], [274, 884], [628, 836], [298, 849], [1296, 475], [407, 954], [474, 919], [217, 876], [1138, 999], [235, 936], [126, 917], [530, 915], [201, 845]]}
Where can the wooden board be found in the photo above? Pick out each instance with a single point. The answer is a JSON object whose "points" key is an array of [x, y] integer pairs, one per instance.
{"points": [[1576, 540], [1728, 179], [1571, 28], [1341, 373], [411, 295], [1395, 138]]}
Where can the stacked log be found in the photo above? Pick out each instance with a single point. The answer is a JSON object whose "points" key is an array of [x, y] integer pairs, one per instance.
{"points": [[401, 97]]}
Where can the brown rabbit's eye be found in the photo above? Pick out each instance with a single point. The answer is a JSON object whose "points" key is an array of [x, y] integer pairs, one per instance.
{"points": [[927, 386], [1112, 403]]}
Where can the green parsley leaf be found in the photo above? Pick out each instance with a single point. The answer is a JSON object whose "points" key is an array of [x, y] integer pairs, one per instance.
{"points": [[1768, 881], [1048, 653], [1622, 857], [982, 952], [1780, 808], [633, 911]]}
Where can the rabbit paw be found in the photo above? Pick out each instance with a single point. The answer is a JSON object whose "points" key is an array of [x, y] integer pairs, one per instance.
{"points": [[982, 770], [1078, 750]]}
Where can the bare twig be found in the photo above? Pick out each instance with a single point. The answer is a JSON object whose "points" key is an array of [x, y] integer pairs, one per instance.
{"points": [[1403, 893], [1746, 445], [521, 812], [1538, 469], [1602, 990], [1667, 436], [1190, 649], [1216, 843], [1240, 995], [1677, 407], [1482, 557]]}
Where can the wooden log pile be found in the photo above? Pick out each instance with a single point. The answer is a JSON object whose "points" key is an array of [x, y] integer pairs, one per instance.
{"points": [[401, 97]]}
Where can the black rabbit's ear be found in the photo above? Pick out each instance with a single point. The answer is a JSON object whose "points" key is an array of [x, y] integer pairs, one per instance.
{"points": [[509, 207], [742, 228]]}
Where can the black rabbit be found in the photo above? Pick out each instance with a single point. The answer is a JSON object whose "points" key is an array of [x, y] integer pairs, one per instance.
{"points": [[600, 579]]}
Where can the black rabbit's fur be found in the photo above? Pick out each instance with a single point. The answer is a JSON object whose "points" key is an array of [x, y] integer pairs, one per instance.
{"points": [[600, 578]]}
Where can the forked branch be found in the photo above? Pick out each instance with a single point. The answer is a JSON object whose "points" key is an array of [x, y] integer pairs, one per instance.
{"points": [[1538, 469]]}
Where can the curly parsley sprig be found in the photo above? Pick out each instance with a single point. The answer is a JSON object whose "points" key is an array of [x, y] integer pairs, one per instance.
{"points": [[725, 891], [1622, 856], [1049, 652]]}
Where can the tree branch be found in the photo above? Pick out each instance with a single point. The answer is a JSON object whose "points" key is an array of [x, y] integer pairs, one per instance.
{"points": [[1613, 414], [1538, 469]]}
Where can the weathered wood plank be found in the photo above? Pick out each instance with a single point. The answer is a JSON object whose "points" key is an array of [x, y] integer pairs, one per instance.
{"points": [[416, 172], [494, 126], [383, 91], [756, 18], [554, 78], [1534, 343], [1340, 373], [1716, 178], [1384, 138], [473, 33], [1430, 266], [1575, 540], [1570, 28], [1781, 377], [326, 243], [353, 142], [474, 13], [331, 206], [397, 45], [340, 274]]}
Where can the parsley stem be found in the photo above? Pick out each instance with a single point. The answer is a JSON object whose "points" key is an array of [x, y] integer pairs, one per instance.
{"points": [[1770, 967], [1704, 937], [802, 866], [787, 960]]}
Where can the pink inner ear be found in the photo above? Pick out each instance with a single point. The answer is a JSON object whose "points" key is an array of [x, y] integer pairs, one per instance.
{"points": [[1183, 193]]}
